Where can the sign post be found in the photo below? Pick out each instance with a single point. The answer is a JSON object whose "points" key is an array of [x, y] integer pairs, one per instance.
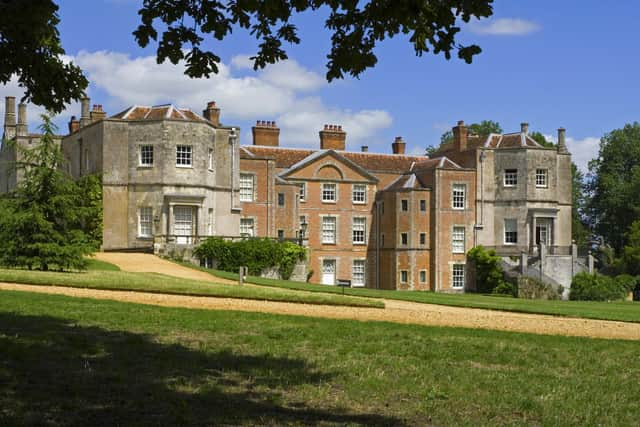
{"points": [[343, 284]]}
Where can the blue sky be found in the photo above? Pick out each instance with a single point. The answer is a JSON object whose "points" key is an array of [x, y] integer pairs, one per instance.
{"points": [[572, 64]]}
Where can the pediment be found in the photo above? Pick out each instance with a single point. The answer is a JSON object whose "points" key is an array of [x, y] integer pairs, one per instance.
{"points": [[328, 166]]}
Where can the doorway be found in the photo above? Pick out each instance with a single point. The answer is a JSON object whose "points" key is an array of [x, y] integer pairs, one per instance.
{"points": [[328, 271]]}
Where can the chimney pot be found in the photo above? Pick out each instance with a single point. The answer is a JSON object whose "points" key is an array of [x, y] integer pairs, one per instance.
{"points": [[460, 122], [266, 133], [460, 135], [365, 148], [332, 138], [398, 146], [212, 113]]}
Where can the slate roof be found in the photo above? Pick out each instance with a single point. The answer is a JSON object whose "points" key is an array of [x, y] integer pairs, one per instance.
{"points": [[158, 112]]}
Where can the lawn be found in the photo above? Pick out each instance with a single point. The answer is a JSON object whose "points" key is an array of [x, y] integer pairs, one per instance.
{"points": [[73, 361], [151, 282], [623, 311]]}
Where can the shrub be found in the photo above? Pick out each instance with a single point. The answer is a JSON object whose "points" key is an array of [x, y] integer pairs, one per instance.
{"points": [[506, 289], [255, 254], [532, 288], [597, 287], [488, 272]]}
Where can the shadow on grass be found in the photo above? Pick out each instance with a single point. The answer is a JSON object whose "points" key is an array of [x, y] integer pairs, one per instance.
{"points": [[53, 372]]}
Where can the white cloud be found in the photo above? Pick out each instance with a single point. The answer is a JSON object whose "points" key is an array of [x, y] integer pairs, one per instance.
{"points": [[504, 27], [286, 92], [582, 150]]}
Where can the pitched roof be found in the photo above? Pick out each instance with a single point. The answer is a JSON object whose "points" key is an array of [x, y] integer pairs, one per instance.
{"points": [[376, 162], [497, 141], [158, 112], [408, 181], [323, 153]]}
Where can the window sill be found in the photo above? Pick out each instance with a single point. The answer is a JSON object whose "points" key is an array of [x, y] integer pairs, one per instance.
{"points": [[542, 186], [329, 243], [184, 166], [457, 252], [144, 237], [359, 203], [145, 166], [358, 243], [331, 202]]}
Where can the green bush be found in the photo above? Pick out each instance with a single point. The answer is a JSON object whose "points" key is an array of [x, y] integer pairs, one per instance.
{"points": [[489, 274], [532, 288], [506, 289], [255, 254], [597, 287]]}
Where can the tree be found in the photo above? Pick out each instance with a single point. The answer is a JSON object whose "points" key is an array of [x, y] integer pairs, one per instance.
{"points": [[483, 129], [30, 44], [40, 226], [631, 252], [579, 231], [540, 139], [614, 185], [30, 48], [488, 271]]}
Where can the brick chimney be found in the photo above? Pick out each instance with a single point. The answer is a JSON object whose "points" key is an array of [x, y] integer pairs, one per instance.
{"points": [[460, 134], [398, 145], [562, 145], [266, 133], [212, 113], [21, 127], [9, 117], [74, 124], [97, 113], [524, 128], [332, 137]]}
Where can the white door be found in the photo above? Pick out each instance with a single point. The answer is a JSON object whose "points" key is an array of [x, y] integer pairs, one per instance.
{"points": [[183, 224], [329, 272]]}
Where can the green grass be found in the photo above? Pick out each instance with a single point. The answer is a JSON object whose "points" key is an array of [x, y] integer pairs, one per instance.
{"points": [[158, 283], [74, 361], [622, 311], [97, 265]]}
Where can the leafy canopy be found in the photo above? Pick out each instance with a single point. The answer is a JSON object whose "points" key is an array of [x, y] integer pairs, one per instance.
{"points": [[30, 48]]}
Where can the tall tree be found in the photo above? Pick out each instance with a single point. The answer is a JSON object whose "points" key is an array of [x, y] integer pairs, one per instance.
{"points": [[184, 29], [615, 185], [41, 225], [579, 230], [484, 128]]}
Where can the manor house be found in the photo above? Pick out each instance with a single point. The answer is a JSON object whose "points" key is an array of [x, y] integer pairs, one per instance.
{"points": [[172, 177]]}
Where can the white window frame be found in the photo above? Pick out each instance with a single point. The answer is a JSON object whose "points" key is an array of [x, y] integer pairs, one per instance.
{"points": [[326, 191], [246, 191], [359, 230], [145, 221], [459, 196], [542, 178], [211, 159], [458, 240], [510, 178], [247, 227], [184, 156], [145, 159], [210, 222], [510, 227], [359, 194], [457, 276], [358, 270], [302, 191], [328, 230]]}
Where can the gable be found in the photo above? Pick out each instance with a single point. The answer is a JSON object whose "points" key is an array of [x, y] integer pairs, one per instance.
{"points": [[327, 166]]}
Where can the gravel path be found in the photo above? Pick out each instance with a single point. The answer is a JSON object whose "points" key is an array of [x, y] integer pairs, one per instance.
{"points": [[395, 311]]}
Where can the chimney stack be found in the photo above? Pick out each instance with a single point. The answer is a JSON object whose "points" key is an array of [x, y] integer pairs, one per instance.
{"points": [[9, 117], [365, 149], [21, 128], [85, 116], [74, 124], [460, 134], [97, 113], [524, 128], [266, 133], [562, 146], [398, 145], [332, 137], [212, 113]]}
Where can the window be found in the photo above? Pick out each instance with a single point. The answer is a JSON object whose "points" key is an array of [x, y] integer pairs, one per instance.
{"points": [[457, 240], [357, 272], [510, 231], [423, 276], [423, 205], [459, 196], [359, 230], [247, 228], [210, 223], [280, 199], [302, 229], [541, 178], [382, 239], [145, 222], [246, 187], [457, 278], [404, 238], [183, 155], [423, 238], [359, 193], [405, 205], [280, 234], [303, 191], [404, 276], [510, 177], [86, 160], [329, 229], [328, 192], [210, 159], [146, 155]]}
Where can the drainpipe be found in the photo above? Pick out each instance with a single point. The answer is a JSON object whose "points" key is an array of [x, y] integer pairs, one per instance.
{"points": [[377, 244]]}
